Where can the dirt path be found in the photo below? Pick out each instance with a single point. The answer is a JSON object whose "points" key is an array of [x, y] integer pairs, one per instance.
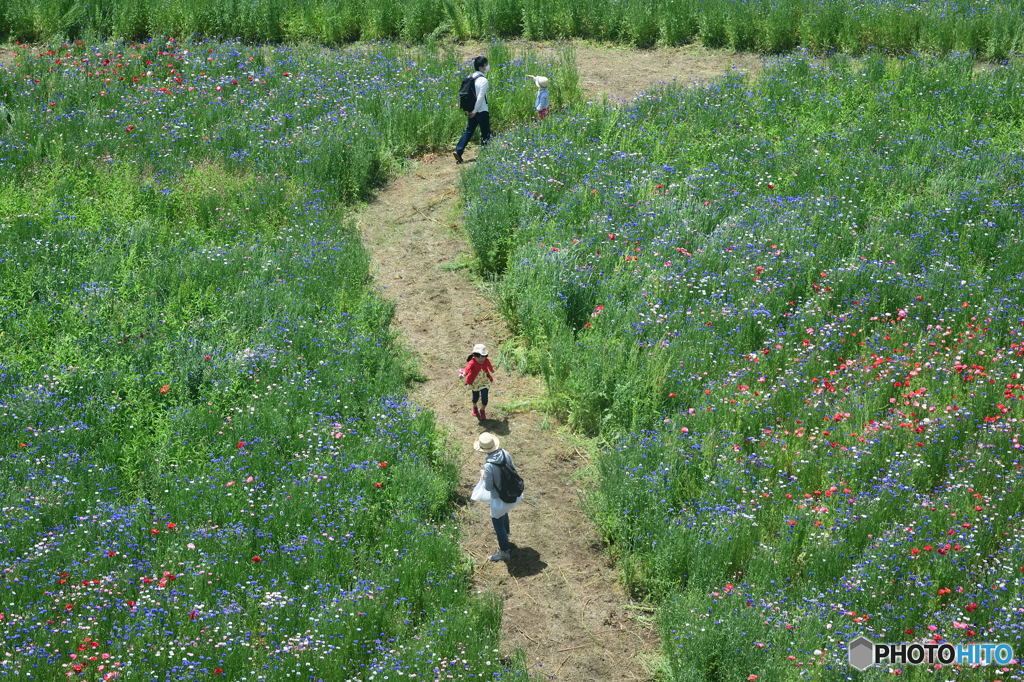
{"points": [[563, 603], [623, 72]]}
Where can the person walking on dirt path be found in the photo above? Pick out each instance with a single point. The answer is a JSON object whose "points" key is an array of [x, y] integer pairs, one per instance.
{"points": [[478, 375], [479, 114], [497, 460]]}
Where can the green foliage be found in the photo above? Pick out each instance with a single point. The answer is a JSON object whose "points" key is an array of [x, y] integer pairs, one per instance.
{"points": [[196, 379], [788, 307], [993, 31]]}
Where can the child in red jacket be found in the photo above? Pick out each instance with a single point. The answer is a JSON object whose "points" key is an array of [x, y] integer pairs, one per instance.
{"points": [[478, 375]]}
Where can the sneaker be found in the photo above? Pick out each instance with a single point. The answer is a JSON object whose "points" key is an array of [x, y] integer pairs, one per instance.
{"points": [[501, 556], [458, 157], [476, 412]]}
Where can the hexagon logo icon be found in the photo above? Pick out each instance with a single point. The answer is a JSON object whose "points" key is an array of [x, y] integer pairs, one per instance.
{"points": [[862, 653]]}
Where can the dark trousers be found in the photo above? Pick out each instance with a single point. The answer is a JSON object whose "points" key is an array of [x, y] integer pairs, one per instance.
{"points": [[501, 529], [482, 119], [482, 393]]}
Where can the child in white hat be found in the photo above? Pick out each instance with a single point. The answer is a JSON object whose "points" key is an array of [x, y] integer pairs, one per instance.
{"points": [[478, 375], [541, 105]]}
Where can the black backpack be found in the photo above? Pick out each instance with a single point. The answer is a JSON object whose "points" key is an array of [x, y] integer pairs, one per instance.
{"points": [[512, 484], [467, 93]]}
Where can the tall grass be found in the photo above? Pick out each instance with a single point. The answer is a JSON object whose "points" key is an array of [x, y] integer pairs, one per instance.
{"points": [[791, 311], [210, 467], [987, 30]]}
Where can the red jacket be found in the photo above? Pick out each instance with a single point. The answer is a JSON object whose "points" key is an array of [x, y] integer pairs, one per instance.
{"points": [[472, 369]]}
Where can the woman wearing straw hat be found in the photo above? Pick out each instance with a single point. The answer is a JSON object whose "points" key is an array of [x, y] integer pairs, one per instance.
{"points": [[490, 477]]}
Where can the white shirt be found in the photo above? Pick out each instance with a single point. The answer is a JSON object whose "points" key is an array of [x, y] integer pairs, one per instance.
{"points": [[480, 84]]}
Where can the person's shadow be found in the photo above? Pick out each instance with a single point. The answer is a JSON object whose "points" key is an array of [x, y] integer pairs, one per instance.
{"points": [[499, 427], [525, 562]]}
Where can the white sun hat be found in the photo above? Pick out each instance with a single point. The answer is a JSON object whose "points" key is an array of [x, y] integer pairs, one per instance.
{"points": [[486, 442]]}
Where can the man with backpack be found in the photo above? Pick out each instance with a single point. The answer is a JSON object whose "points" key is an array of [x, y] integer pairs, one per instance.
{"points": [[504, 486], [473, 100]]}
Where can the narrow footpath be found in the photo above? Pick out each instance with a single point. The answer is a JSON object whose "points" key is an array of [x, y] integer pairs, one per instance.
{"points": [[563, 602]]}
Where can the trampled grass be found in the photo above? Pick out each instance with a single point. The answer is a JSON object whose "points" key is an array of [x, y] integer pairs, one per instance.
{"points": [[990, 30], [792, 310], [210, 468]]}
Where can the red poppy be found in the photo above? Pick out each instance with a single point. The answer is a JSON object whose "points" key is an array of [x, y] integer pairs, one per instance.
{"points": [[378, 485], [172, 525], [256, 559], [218, 671], [206, 357], [383, 465], [241, 444]]}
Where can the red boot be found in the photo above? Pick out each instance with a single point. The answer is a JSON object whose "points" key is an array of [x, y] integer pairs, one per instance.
{"points": [[483, 413], [476, 412]]}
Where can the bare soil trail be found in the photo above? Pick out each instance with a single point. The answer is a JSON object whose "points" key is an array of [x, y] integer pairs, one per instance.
{"points": [[563, 603], [623, 72]]}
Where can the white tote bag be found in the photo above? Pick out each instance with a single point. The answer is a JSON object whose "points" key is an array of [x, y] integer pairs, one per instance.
{"points": [[480, 493]]}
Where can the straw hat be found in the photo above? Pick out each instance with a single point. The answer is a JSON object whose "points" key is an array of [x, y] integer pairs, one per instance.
{"points": [[541, 81], [481, 349], [486, 442]]}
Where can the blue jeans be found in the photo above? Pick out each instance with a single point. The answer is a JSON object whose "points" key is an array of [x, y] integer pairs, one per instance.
{"points": [[482, 119], [481, 394], [501, 530]]}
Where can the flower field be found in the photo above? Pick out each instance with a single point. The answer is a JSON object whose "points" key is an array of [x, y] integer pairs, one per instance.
{"points": [[993, 29], [792, 311], [209, 466]]}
